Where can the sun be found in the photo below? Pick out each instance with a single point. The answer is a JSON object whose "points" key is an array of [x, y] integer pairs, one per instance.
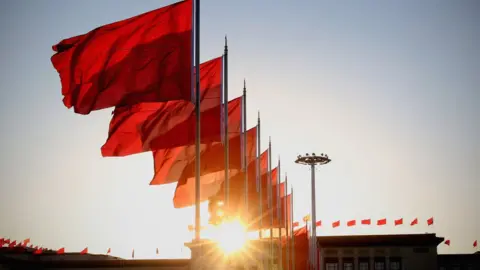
{"points": [[231, 236]]}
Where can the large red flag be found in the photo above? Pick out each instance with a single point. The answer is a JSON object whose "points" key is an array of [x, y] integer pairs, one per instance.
{"points": [[286, 210], [146, 58], [255, 200], [170, 163], [212, 171], [237, 188], [153, 126], [301, 248]]}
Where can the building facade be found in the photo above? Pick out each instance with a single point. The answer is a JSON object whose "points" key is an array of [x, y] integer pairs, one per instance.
{"points": [[378, 252]]}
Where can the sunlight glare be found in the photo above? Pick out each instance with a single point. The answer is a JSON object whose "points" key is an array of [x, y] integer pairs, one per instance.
{"points": [[231, 236]]}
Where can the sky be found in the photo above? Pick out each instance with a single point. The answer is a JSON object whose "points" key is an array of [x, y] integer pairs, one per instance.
{"points": [[388, 89]]}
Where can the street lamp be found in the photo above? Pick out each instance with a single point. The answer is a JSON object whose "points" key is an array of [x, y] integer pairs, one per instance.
{"points": [[313, 160]]}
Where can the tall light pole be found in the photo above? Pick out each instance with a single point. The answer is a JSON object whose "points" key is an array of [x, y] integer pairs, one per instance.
{"points": [[313, 160]]}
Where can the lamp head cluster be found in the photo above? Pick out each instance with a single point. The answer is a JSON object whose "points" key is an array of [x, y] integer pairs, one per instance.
{"points": [[313, 159]]}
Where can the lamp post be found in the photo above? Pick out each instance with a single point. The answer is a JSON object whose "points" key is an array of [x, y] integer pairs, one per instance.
{"points": [[313, 160]]}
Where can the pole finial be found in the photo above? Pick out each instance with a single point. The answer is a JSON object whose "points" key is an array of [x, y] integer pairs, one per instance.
{"points": [[226, 41], [244, 87]]}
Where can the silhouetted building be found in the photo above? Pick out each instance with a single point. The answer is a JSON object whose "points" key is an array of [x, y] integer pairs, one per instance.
{"points": [[360, 252], [459, 261], [379, 252], [21, 258]]}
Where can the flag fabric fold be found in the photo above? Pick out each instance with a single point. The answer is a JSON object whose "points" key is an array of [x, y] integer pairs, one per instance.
{"points": [[212, 171], [153, 126], [146, 58], [170, 163]]}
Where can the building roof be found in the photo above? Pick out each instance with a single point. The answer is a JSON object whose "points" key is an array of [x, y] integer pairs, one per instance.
{"points": [[379, 240], [25, 259]]}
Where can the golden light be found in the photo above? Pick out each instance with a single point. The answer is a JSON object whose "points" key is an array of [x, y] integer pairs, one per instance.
{"points": [[231, 236]]}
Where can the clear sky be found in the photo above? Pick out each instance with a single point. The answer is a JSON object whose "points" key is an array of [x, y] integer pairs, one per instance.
{"points": [[389, 89]]}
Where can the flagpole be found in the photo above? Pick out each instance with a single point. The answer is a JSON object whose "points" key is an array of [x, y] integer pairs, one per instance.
{"points": [[197, 113], [291, 230], [226, 143], [245, 148], [287, 246], [259, 178], [280, 255], [270, 197]]}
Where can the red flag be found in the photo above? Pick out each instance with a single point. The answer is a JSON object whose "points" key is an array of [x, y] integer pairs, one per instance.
{"points": [[170, 163], [154, 126], [237, 191], [146, 58], [12, 244], [414, 222], [301, 248], [475, 243], [296, 224], [351, 223], [26, 241], [61, 251], [212, 170], [366, 221], [318, 223], [109, 250], [37, 251], [336, 224], [447, 242], [255, 200], [382, 222], [430, 221], [84, 251], [398, 221], [286, 211], [7, 241]]}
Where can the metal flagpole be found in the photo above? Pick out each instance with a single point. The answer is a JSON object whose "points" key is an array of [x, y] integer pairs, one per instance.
{"points": [[197, 112], [291, 230], [279, 217], [285, 213], [259, 178], [270, 195], [245, 149], [226, 143]]}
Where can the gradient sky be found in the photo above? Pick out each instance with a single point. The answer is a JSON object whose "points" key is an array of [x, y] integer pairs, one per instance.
{"points": [[389, 89]]}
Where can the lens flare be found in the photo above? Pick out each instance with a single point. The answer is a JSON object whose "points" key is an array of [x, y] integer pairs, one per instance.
{"points": [[231, 236]]}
